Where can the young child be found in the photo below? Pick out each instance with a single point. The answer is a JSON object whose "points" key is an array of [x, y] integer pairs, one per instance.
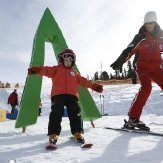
{"points": [[65, 81]]}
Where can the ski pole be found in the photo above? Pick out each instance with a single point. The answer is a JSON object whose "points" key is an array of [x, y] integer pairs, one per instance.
{"points": [[93, 125], [103, 105], [23, 129]]}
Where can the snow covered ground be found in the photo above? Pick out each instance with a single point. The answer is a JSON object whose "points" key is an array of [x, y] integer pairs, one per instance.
{"points": [[109, 146]]}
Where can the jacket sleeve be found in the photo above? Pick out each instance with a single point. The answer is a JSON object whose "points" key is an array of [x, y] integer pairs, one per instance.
{"points": [[83, 81], [134, 51], [48, 71], [125, 53]]}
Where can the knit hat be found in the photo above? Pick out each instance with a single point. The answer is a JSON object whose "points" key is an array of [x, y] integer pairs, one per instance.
{"points": [[150, 17]]}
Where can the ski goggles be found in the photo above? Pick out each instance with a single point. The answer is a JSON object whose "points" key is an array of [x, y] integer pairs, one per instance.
{"points": [[70, 56]]}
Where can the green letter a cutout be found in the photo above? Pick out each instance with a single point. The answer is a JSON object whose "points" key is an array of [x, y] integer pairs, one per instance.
{"points": [[48, 30]]}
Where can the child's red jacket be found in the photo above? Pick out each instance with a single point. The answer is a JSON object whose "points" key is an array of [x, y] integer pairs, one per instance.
{"points": [[64, 80]]}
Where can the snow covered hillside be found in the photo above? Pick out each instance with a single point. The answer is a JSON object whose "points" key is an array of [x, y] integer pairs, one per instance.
{"points": [[109, 146]]}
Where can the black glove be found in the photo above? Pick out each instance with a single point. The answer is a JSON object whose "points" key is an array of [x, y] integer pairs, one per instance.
{"points": [[33, 70], [97, 87], [117, 65]]}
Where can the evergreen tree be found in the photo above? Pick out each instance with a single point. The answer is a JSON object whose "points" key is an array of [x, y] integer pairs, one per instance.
{"points": [[111, 76], [132, 73], [125, 73], [129, 69], [2, 85], [122, 77], [96, 76], [17, 85], [7, 85], [104, 76], [117, 74]]}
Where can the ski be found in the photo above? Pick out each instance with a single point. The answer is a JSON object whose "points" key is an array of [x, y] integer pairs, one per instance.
{"points": [[86, 145], [51, 147], [136, 131], [82, 145]]}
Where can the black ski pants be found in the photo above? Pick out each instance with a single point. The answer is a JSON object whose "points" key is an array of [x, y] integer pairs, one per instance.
{"points": [[57, 111]]}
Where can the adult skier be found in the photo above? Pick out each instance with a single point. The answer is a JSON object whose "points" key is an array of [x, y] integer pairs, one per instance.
{"points": [[149, 66]]}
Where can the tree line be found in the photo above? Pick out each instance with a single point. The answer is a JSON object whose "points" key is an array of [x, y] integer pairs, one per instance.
{"points": [[8, 85], [128, 73]]}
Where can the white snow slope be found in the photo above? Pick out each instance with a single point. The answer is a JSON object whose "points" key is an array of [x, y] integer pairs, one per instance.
{"points": [[109, 146]]}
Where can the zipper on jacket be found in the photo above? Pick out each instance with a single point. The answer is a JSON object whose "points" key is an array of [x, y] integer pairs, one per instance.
{"points": [[152, 50]]}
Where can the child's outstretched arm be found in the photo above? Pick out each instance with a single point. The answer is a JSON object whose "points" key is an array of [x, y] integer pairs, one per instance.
{"points": [[89, 84], [43, 71]]}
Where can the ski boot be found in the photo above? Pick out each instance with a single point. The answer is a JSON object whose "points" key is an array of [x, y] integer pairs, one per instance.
{"points": [[79, 138], [161, 93], [135, 124], [53, 138]]}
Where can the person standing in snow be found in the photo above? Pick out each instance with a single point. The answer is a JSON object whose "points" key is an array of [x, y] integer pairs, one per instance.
{"points": [[65, 81], [13, 100], [149, 66], [40, 108]]}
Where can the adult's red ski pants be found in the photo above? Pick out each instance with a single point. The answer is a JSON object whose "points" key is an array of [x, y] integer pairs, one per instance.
{"points": [[141, 97]]}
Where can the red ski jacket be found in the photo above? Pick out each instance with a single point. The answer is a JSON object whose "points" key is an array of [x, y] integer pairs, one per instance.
{"points": [[13, 99], [64, 80], [149, 50]]}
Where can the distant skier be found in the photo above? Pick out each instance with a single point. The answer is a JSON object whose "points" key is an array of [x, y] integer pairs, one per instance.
{"points": [[65, 81], [13, 100], [149, 66]]}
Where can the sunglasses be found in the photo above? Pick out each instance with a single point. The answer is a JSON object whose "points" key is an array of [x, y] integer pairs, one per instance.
{"points": [[69, 56]]}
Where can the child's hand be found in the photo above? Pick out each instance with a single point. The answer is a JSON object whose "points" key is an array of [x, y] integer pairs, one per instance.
{"points": [[97, 87], [33, 70]]}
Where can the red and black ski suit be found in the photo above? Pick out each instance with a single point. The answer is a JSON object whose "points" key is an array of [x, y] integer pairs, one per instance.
{"points": [[64, 92], [13, 101], [149, 68]]}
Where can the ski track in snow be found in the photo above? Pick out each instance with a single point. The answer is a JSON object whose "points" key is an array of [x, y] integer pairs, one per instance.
{"points": [[109, 146]]}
